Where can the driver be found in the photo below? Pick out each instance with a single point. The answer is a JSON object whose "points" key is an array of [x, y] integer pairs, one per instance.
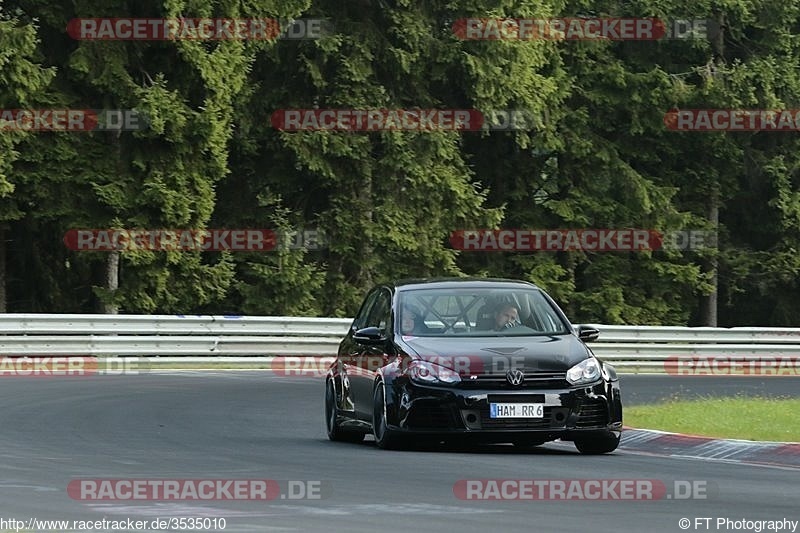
{"points": [[507, 316]]}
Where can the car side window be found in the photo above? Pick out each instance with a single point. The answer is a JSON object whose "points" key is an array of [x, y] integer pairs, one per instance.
{"points": [[545, 317], [378, 315], [361, 318]]}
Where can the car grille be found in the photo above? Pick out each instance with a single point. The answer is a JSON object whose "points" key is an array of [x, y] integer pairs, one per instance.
{"points": [[533, 380], [515, 398], [592, 413], [430, 415]]}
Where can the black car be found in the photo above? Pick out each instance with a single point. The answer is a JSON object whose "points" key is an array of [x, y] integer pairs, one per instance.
{"points": [[485, 360]]}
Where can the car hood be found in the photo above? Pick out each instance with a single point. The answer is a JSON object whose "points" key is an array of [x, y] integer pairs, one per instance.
{"points": [[479, 355]]}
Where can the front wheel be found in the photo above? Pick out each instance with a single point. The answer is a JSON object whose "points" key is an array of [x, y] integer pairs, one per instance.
{"points": [[385, 438], [335, 431], [598, 444]]}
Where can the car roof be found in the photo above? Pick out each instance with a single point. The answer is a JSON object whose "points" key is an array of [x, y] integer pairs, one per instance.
{"points": [[466, 283]]}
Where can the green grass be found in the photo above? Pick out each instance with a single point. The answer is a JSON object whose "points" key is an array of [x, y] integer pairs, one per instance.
{"points": [[751, 418]]}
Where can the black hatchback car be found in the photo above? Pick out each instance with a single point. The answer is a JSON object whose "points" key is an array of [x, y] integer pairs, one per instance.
{"points": [[484, 360]]}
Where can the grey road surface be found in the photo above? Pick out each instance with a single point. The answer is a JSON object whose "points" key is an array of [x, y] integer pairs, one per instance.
{"points": [[247, 425]]}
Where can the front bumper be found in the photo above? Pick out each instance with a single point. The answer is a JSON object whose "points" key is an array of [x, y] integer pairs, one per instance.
{"points": [[568, 411]]}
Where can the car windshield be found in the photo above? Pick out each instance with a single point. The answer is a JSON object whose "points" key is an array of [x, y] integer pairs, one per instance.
{"points": [[477, 313]]}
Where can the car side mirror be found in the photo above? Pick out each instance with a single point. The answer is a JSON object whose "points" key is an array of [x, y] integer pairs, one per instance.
{"points": [[588, 333], [370, 335]]}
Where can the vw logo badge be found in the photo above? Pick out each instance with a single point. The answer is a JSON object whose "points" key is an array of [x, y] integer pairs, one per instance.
{"points": [[515, 377]]}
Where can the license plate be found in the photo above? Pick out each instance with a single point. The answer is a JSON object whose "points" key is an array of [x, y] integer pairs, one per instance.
{"points": [[516, 410]]}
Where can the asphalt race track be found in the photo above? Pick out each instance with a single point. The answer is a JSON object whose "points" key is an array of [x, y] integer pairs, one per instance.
{"points": [[237, 425]]}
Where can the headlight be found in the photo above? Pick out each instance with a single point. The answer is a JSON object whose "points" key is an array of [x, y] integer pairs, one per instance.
{"points": [[432, 374], [587, 371]]}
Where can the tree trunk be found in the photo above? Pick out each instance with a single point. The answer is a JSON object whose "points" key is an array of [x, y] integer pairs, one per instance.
{"points": [[112, 262], [112, 280], [365, 200], [709, 303]]}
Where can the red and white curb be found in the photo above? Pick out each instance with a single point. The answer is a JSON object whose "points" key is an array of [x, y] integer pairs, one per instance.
{"points": [[740, 451]]}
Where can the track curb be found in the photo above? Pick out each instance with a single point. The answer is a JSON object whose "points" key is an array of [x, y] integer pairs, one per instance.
{"points": [[698, 447]]}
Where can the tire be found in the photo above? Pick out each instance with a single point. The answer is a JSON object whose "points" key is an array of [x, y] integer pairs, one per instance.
{"points": [[385, 438], [596, 445], [335, 431]]}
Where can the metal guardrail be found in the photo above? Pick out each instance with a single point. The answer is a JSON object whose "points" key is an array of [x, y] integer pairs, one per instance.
{"points": [[70, 324], [647, 349], [630, 348]]}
